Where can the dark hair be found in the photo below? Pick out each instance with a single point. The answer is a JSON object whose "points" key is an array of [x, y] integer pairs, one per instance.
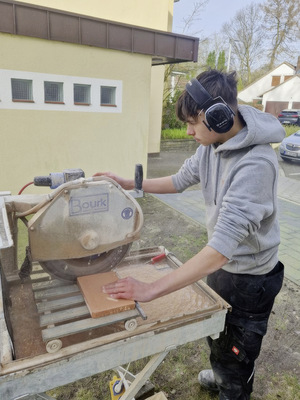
{"points": [[216, 83]]}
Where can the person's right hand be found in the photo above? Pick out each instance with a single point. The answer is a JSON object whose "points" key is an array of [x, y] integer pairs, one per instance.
{"points": [[129, 288], [126, 184]]}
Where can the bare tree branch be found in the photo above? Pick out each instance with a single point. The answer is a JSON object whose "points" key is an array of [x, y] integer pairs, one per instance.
{"points": [[246, 38], [281, 18], [195, 16]]}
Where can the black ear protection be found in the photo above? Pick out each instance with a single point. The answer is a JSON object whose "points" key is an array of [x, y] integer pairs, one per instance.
{"points": [[218, 114]]}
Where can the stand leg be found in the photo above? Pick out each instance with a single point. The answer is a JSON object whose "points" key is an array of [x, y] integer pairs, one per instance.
{"points": [[144, 375]]}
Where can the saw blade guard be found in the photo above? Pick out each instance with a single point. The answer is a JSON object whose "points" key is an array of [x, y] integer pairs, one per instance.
{"points": [[84, 218]]}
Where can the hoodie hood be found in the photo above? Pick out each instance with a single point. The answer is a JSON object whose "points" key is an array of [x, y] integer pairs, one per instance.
{"points": [[261, 128]]}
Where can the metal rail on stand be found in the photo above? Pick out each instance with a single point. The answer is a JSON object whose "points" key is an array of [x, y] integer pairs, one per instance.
{"points": [[40, 396]]}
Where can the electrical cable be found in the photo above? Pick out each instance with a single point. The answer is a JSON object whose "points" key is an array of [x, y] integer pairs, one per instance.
{"points": [[24, 187]]}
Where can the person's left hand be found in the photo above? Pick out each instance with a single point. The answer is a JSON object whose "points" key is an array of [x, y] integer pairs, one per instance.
{"points": [[129, 288]]}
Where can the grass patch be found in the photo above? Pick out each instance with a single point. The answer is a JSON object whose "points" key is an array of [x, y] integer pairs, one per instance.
{"points": [[290, 129], [22, 242], [173, 134], [284, 387], [189, 243]]}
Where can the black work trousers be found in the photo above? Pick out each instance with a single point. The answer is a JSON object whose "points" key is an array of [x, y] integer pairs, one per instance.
{"points": [[234, 353]]}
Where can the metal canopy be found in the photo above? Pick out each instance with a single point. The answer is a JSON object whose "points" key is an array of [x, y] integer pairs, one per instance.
{"points": [[50, 24]]}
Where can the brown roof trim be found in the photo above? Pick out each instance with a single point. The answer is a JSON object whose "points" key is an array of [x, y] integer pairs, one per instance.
{"points": [[46, 23]]}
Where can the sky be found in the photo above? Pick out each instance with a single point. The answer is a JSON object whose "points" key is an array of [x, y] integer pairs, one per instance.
{"points": [[214, 15]]}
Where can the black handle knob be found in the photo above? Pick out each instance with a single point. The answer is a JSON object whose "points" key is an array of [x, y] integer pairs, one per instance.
{"points": [[42, 181], [138, 176]]}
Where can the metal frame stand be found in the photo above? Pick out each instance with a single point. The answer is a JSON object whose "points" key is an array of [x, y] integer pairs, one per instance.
{"points": [[29, 378], [40, 396], [140, 380]]}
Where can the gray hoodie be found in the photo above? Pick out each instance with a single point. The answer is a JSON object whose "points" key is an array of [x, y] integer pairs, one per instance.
{"points": [[239, 183]]}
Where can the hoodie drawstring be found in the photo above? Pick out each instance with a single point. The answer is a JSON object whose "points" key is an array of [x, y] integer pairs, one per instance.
{"points": [[217, 178], [207, 162]]}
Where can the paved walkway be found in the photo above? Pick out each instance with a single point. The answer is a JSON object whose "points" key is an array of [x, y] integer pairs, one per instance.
{"points": [[191, 203]]}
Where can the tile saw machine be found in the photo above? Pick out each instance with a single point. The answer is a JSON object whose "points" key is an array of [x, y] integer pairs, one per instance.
{"points": [[84, 226]]}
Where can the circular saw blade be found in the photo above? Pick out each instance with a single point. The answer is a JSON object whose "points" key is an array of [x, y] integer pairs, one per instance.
{"points": [[69, 270]]}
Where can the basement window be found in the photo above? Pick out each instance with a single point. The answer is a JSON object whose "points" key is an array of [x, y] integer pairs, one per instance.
{"points": [[54, 92], [21, 90], [82, 94], [108, 96]]}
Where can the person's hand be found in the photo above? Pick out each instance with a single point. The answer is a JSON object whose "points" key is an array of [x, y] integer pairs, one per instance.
{"points": [[129, 288], [126, 184]]}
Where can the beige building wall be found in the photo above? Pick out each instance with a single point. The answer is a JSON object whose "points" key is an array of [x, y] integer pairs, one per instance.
{"points": [[156, 101], [37, 142], [154, 14]]}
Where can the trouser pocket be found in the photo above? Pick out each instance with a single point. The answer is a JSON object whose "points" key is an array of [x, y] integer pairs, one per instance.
{"points": [[251, 296], [232, 359]]}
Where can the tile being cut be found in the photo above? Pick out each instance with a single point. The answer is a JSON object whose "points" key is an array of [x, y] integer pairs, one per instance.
{"points": [[101, 304]]}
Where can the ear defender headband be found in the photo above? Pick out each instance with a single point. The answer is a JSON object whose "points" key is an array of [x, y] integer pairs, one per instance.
{"points": [[218, 114]]}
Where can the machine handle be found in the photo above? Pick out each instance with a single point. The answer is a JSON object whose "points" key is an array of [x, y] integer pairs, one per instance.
{"points": [[42, 181], [138, 176], [56, 179]]}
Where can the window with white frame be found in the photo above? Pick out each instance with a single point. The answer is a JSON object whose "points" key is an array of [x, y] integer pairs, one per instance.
{"points": [[42, 91], [108, 96], [21, 90], [53, 92], [82, 94]]}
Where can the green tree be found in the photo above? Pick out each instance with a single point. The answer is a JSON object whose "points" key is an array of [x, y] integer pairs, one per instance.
{"points": [[169, 118], [211, 59], [221, 61]]}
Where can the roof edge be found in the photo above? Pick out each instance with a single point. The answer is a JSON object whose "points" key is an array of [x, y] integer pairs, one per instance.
{"points": [[51, 24]]}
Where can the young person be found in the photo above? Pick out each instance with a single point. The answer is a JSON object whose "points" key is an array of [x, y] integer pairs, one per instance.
{"points": [[238, 171]]}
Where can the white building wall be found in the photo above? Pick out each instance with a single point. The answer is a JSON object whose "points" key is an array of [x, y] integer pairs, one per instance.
{"points": [[289, 92], [258, 88]]}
